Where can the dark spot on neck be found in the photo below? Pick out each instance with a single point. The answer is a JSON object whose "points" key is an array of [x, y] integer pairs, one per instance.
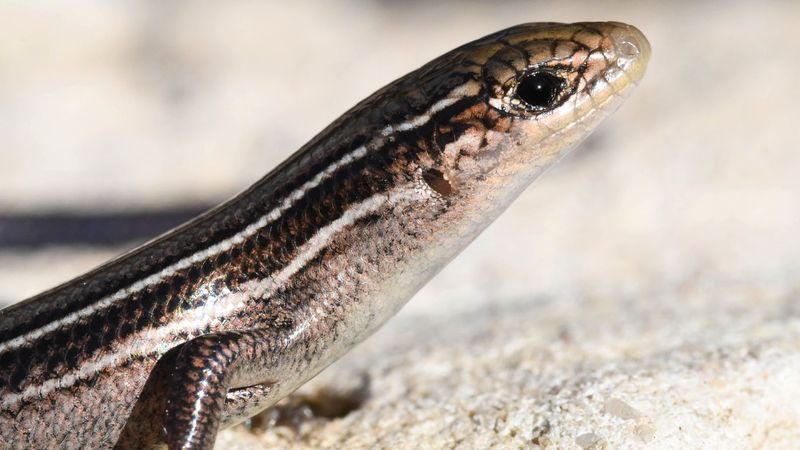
{"points": [[437, 182]]}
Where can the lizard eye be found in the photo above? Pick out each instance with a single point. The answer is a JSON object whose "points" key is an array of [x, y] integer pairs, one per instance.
{"points": [[539, 90]]}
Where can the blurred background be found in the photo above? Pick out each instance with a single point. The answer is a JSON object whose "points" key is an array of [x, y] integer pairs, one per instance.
{"points": [[644, 292]]}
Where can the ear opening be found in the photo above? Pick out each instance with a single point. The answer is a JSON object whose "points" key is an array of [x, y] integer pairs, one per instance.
{"points": [[437, 181]]}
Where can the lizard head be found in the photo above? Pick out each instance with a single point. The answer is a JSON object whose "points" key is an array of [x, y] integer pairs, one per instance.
{"points": [[518, 100]]}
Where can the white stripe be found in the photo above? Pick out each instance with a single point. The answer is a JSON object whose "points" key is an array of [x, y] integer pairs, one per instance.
{"points": [[215, 249], [227, 304], [227, 244], [420, 120]]}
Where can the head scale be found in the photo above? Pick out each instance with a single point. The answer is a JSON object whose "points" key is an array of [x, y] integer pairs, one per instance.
{"points": [[514, 102]]}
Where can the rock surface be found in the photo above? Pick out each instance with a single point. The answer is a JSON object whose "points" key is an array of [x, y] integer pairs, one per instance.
{"points": [[642, 294]]}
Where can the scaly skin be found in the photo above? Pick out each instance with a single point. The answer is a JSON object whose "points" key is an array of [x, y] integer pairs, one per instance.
{"points": [[220, 318]]}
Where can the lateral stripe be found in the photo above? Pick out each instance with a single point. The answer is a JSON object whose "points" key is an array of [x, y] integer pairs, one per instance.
{"points": [[456, 94], [420, 120], [215, 249], [230, 304]]}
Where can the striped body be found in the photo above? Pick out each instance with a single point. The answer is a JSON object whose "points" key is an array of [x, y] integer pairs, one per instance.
{"points": [[308, 261]]}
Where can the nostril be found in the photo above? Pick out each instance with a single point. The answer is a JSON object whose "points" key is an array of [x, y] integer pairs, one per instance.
{"points": [[627, 49], [628, 42]]}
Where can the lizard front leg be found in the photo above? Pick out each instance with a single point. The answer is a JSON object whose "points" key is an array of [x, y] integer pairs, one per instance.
{"points": [[206, 368]]}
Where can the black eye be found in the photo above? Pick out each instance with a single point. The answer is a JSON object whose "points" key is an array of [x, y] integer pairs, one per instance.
{"points": [[539, 89]]}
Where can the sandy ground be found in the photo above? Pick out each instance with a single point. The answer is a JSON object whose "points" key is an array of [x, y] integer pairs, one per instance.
{"points": [[642, 294]]}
